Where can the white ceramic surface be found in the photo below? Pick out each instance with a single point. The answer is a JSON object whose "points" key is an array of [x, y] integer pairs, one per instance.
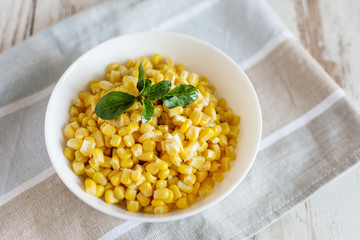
{"points": [[198, 56]]}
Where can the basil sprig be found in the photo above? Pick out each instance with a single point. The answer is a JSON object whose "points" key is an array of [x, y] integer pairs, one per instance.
{"points": [[116, 103]]}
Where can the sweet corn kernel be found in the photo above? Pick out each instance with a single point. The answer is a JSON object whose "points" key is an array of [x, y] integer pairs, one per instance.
{"points": [[206, 166], [157, 203], [218, 177], [151, 168], [149, 177], [206, 134], [78, 167], [214, 166], [90, 186], [176, 191], [160, 184], [127, 163], [149, 145], [137, 150], [187, 153], [80, 157], [229, 152], [87, 147], [133, 127], [185, 169], [161, 165], [115, 162], [130, 194], [74, 143], [172, 147], [217, 151], [129, 140], [146, 156], [223, 141], [202, 146], [205, 190], [161, 210], [189, 179], [143, 200], [115, 140], [192, 133], [124, 154], [145, 136], [225, 128], [110, 197], [156, 59], [163, 174], [162, 193], [98, 155], [176, 111], [99, 178], [184, 187], [225, 164], [99, 190], [195, 116], [196, 188], [192, 198], [89, 171], [209, 155], [69, 153], [108, 130], [136, 174], [126, 176], [201, 176], [149, 209], [182, 203], [146, 189], [99, 138], [197, 162], [119, 192]]}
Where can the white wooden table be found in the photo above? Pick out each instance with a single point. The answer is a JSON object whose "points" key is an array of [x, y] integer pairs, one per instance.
{"points": [[329, 29]]}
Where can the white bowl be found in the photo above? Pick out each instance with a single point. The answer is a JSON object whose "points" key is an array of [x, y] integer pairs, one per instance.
{"points": [[198, 56]]}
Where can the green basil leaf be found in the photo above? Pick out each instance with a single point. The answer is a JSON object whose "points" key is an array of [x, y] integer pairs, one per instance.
{"points": [[148, 83], [147, 111], [181, 95], [141, 79], [157, 90], [114, 104]]}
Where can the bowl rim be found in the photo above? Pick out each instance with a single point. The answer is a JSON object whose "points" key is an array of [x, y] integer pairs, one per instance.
{"points": [[159, 218]]}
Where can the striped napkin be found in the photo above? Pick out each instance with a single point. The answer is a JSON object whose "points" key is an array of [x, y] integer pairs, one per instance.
{"points": [[308, 123]]}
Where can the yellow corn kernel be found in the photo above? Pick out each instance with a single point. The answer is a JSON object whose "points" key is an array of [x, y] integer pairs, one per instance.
{"points": [[108, 130], [75, 124], [90, 186], [225, 164], [156, 59], [84, 121], [126, 176], [182, 203], [99, 178], [78, 103], [229, 152], [185, 169], [176, 191], [217, 130], [111, 174], [235, 121], [89, 171], [124, 154], [110, 197], [184, 187], [201, 176], [193, 79], [189, 179], [87, 147], [98, 155], [209, 155], [136, 174], [69, 153], [161, 210], [179, 68], [158, 136], [113, 66], [160, 184], [107, 142], [146, 156], [218, 177], [149, 209], [205, 190], [172, 147], [130, 194], [135, 117], [196, 188], [234, 132], [185, 126], [115, 162], [195, 116], [192, 133], [137, 150], [187, 153], [163, 174], [127, 163], [164, 128], [122, 131], [132, 127], [157, 203], [109, 186], [92, 129], [74, 119], [145, 136], [225, 128], [74, 143], [197, 162], [206, 134], [149, 177], [202, 146], [146, 127], [81, 133], [217, 151], [162, 193], [214, 166], [192, 198], [115, 140], [176, 111], [146, 189], [149, 145], [233, 142], [143, 200], [129, 140], [151, 168], [78, 167], [80, 157], [74, 112], [99, 138], [161, 165], [99, 190], [119, 192], [206, 166], [223, 141]]}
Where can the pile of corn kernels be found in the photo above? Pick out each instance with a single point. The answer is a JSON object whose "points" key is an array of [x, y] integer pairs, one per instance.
{"points": [[158, 166]]}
